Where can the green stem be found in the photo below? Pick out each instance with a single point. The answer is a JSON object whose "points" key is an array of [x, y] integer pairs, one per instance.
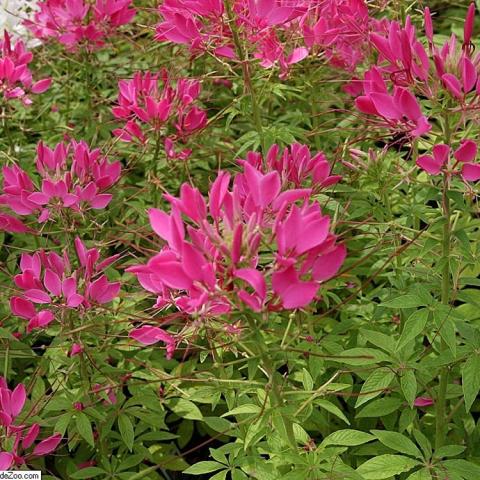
{"points": [[275, 392], [247, 78], [441, 425], [154, 168]]}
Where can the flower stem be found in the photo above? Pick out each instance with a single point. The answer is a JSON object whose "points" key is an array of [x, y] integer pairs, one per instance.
{"points": [[247, 78], [441, 425], [276, 398]]}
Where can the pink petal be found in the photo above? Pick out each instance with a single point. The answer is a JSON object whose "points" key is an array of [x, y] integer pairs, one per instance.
{"points": [[385, 106], [469, 74], [6, 460], [429, 164], [299, 295], [312, 235], [255, 279], [452, 85], [17, 399], [31, 435], [37, 296], [328, 264], [149, 335], [160, 222], [48, 445], [41, 86], [423, 402], [466, 152], [22, 308], [471, 172], [297, 55], [52, 283]]}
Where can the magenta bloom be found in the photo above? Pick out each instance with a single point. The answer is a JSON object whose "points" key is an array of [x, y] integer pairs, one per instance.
{"points": [[423, 402], [212, 262], [10, 224], [72, 177], [440, 162], [271, 28], [20, 437], [48, 284], [15, 76], [397, 111], [153, 102], [296, 166], [76, 23]]}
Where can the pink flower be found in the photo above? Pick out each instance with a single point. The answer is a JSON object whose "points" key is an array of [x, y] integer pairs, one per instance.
{"points": [[19, 439], [434, 165], [15, 76], [205, 26], [151, 335], [76, 349], [423, 402], [399, 111], [76, 23], [12, 225], [73, 177], [144, 103], [47, 278], [212, 261], [464, 154]]}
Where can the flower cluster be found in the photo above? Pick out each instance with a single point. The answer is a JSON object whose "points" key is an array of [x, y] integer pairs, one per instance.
{"points": [[47, 279], [76, 23], [440, 161], [296, 166], [271, 27], [20, 437], [15, 76], [255, 243], [73, 177], [407, 70], [155, 101], [340, 30]]}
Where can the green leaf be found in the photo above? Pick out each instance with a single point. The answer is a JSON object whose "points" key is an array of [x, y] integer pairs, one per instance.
{"points": [[203, 467], [467, 470], [423, 474], [88, 472], [333, 409], [348, 438], [398, 442], [471, 380], [443, 316], [220, 475], [379, 339], [84, 428], [219, 424], [386, 466], [247, 408], [126, 430], [408, 383], [449, 451], [362, 356], [413, 327], [380, 408], [424, 443], [375, 384], [185, 409], [405, 301], [307, 380]]}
